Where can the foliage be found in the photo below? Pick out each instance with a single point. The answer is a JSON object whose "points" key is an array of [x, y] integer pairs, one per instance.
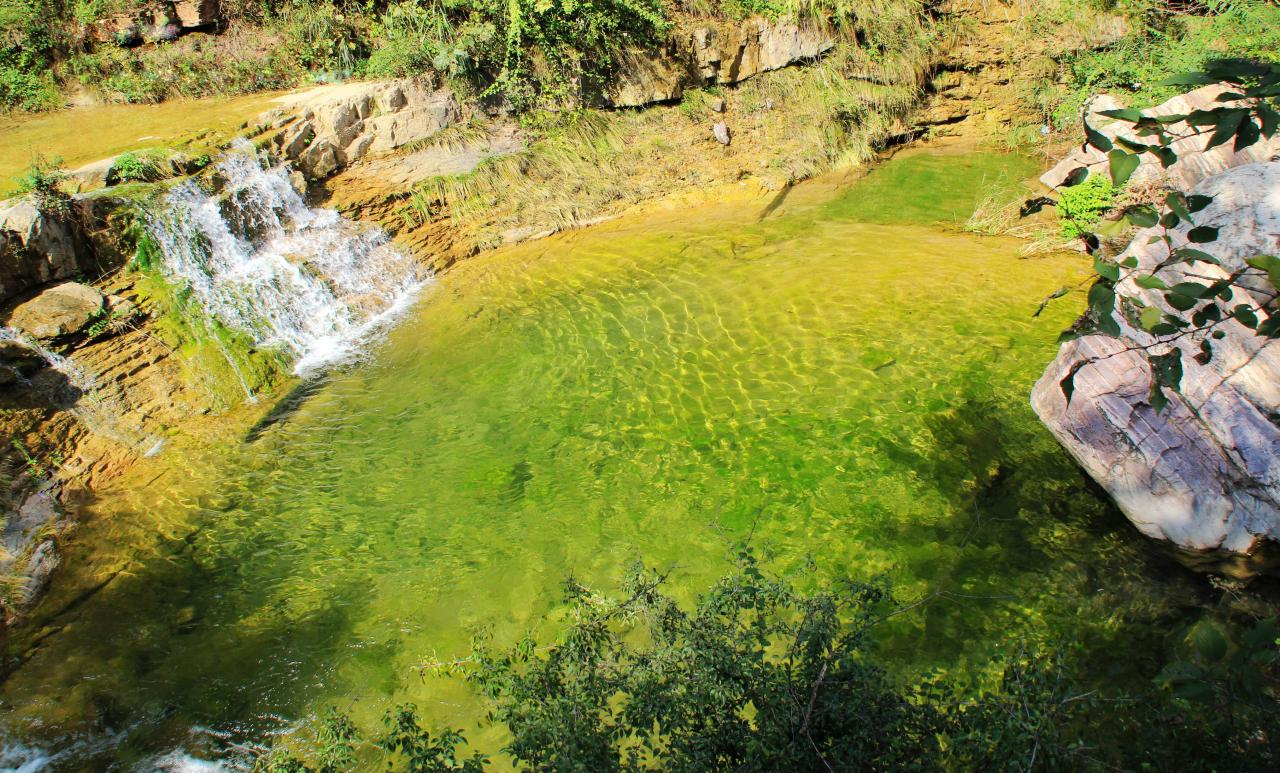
{"points": [[408, 746], [759, 675], [1203, 295], [1081, 206], [29, 37], [43, 183], [1162, 40]]}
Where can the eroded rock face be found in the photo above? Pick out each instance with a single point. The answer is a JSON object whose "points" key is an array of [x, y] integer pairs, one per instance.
{"points": [[35, 248], [709, 55], [60, 310], [323, 130], [1203, 473], [1194, 163]]}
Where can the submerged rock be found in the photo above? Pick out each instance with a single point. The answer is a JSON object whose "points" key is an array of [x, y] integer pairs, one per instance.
{"points": [[60, 310], [1204, 472]]}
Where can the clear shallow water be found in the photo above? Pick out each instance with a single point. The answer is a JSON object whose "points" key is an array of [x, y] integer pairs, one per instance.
{"points": [[842, 390]]}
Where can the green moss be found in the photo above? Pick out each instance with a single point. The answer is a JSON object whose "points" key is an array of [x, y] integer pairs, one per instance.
{"points": [[1081, 206]]}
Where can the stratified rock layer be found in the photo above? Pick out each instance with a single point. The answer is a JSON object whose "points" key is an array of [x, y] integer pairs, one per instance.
{"points": [[325, 129], [709, 55], [1204, 472]]}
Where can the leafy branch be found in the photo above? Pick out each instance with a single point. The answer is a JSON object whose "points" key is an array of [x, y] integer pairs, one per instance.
{"points": [[1182, 309]]}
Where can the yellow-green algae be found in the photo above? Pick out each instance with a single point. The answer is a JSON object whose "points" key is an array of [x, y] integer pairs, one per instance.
{"points": [[845, 392], [83, 135]]}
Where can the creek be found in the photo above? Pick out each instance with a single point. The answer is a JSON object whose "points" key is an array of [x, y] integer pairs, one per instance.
{"points": [[839, 375]]}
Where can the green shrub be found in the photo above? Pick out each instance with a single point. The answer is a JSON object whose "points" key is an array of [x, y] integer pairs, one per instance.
{"points": [[42, 182], [1161, 41], [1081, 206]]}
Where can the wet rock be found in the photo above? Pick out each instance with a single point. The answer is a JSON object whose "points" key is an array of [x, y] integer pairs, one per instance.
{"points": [[721, 132], [35, 248], [60, 310], [713, 54], [34, 514], [1194, 163], [1203, 472], [40, 567]]}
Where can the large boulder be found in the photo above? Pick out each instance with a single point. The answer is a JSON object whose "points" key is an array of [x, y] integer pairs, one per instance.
{"points": [[35, 248], [1204, 472], [325, 129], [61, 310], [714, 54], [1194, 162]]}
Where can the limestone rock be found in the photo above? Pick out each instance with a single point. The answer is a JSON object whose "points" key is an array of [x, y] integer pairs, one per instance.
{"points": [[721, 132], [714, 54], [61, 310], [328, 128], [1203, 473], [1193, 165], [197, 13], [35, 248]]}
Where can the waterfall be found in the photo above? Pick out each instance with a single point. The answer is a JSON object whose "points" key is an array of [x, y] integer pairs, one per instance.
{"points": [[262, 262], [79, 393]]}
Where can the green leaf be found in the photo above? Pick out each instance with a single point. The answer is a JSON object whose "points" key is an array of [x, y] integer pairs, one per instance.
{"points": [[1096, 138], [1192, 289], [1170, 220], [1191, 253], [1208, 641], [1166, 372], [1136, 147], [1123, 165], [1269, 119], [1143, 216], [1126, 114], [1202, 234], [1226, 128], [1106, 268], [1151, 282], [1180, 302], [1189, 79], [1166, 155], [1247, 135], [1196, 202], [1245, 315], [1149, 318], [1075, 177], [1177, 204], [1130, 262]]}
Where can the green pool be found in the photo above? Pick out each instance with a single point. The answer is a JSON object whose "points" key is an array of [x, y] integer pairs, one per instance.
{"points": [[838, 373]]}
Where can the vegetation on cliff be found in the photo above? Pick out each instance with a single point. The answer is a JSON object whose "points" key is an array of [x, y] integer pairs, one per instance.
{"points": [[528, 52], [1160, 37]]}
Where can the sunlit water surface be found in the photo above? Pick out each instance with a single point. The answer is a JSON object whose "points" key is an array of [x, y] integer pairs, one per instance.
{"points": [[838, 373]]}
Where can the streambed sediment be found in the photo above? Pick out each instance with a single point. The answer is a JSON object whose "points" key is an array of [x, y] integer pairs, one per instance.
{"points": [[838, 374]]}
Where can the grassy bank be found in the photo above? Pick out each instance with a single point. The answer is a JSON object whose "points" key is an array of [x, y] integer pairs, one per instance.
{"points": [[530, 54]]}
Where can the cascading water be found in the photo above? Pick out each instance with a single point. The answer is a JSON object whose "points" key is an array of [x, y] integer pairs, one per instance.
{"points": [[261, 261], [79, 393]]}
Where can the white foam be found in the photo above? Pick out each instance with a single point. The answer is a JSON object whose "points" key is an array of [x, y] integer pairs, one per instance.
{"points": [[262, 262]]}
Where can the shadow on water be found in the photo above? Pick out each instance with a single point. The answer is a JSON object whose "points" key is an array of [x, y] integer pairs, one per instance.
{"points": [[1039, 525], [200, 637], [287, 406]]}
